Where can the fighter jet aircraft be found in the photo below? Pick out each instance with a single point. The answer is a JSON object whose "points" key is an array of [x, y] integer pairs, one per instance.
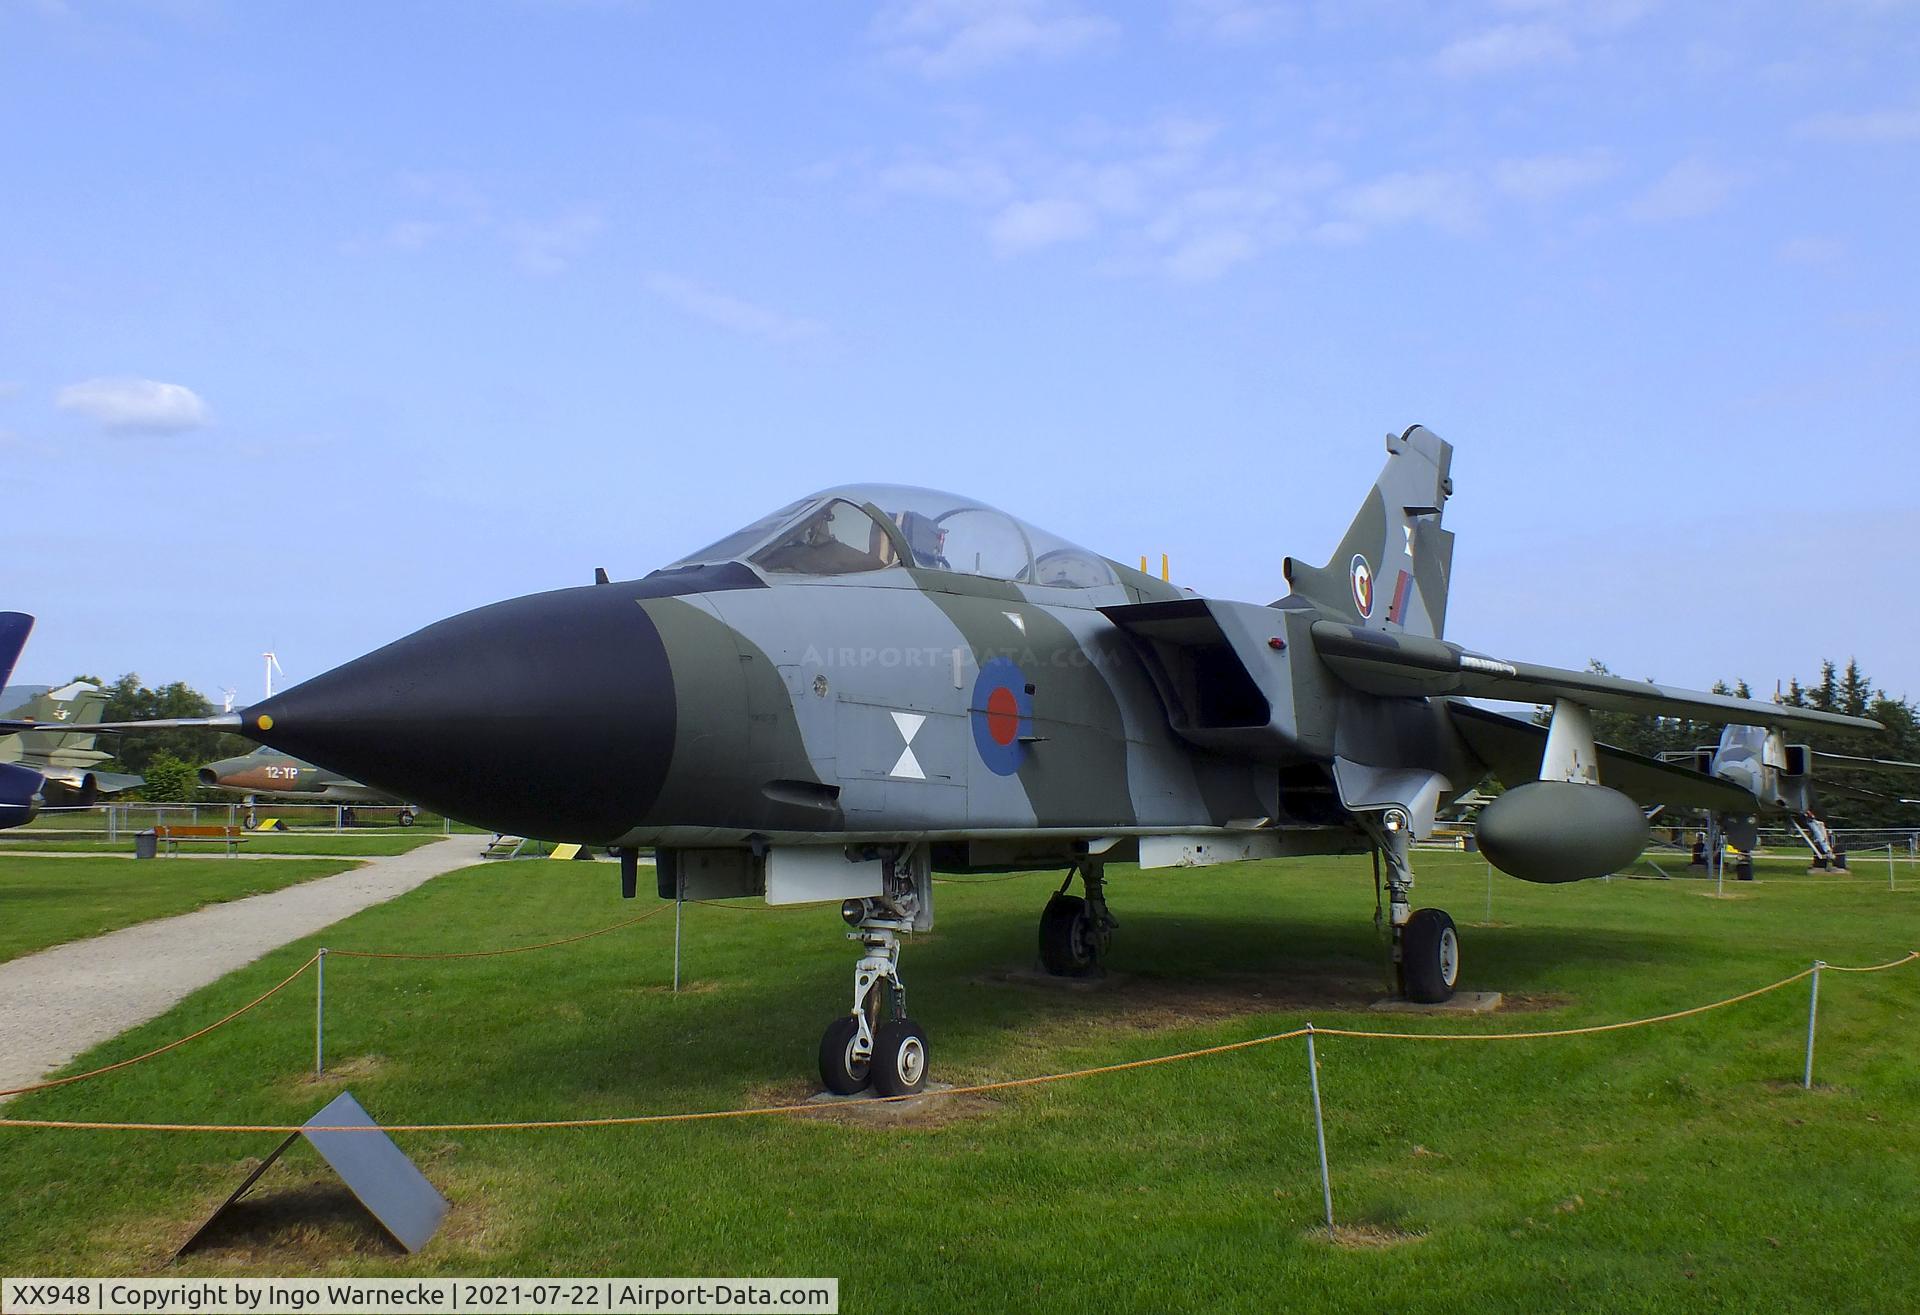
{"points": [[1779, 778], [22, 790], [874, 682], [269, 774], [63, 756]]}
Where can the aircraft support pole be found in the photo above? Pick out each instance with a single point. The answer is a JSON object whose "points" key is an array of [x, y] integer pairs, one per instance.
{"points": [[1813, 1012], [1319, 1128], [320, 1011], [679, 903]]}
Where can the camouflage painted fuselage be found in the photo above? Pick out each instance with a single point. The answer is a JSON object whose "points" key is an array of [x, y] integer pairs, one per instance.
{"points": [[879, 663], [266, 774]]}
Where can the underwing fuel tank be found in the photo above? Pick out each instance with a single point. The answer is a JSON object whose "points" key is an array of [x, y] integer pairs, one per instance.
{"points": [[1555, 831]]}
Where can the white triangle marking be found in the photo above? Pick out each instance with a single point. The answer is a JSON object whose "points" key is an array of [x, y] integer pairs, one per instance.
{"points": [[1019, 622], [908, 766]]}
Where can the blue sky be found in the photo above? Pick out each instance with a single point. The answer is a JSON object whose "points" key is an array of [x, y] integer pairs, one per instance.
{"points": [[321, 322]]}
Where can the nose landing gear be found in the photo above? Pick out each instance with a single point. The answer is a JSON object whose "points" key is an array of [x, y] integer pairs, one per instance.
{"points": [[876, 1044]]}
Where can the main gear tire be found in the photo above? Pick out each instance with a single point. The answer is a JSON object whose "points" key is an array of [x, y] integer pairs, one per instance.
{"points": [[1429, 957], [899, 1058], [844, 1074], [1068, 945]]}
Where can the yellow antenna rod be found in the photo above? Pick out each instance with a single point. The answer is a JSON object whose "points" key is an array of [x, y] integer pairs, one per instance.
{"points": [[1163, 573], [1143, 563]]}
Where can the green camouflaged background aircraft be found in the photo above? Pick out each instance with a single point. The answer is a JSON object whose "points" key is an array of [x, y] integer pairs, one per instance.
{"points": [[875, 682], [63, 755]]}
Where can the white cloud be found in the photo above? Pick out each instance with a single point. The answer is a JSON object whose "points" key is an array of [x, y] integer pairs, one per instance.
{"points": [[1690, 189], [729, 312], [136, 405], [1503, 48], [549, 246], [412, 234], [1209, 255], [949, 38], [1542, 178], [1875, 127], [450, 190], [1443, 198], [1810, 251], [970, 181], [1025, 225], [1232, 22]]}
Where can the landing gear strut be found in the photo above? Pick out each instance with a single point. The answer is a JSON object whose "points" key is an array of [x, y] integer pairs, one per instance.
{"points": [[1075, 932], [876, 1044], [1426, 948]]}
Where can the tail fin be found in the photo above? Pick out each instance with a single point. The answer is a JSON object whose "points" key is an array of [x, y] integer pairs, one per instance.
{"points": [[1390, 571], [77, 705], [14, 629]]}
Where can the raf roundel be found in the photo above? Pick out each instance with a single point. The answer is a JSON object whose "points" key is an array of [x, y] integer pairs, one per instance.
{"points": [[1001, 711], [1362, 585]]}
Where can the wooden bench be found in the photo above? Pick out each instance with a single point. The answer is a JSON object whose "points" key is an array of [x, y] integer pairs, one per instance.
{"points": [[230, 836]]}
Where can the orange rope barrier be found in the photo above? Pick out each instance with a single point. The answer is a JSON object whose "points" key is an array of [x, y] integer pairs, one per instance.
{"points": [[1908, 957], [289, 979], [285, 982], [633, 1120]]}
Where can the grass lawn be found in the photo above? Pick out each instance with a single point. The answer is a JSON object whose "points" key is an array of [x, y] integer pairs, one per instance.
{"points": [[257, 842], [46, 901], [1670, 1168]]}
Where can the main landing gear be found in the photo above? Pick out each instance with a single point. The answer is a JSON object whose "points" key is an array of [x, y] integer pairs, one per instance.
{"points": [[876, 1044], [1426, 948], [1074, 931]]}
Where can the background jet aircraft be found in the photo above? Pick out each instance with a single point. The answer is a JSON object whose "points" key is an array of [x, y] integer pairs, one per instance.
{"points": [[65, 758], [1779, 779], [874, 681], [22, 790], [269, 774]]}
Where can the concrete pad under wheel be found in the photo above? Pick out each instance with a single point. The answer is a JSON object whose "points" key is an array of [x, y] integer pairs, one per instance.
{"points": [[1463, 1002], [868, 1104]]}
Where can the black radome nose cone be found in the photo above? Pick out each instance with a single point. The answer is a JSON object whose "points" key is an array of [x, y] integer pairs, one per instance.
{"points": [[550, 716]]}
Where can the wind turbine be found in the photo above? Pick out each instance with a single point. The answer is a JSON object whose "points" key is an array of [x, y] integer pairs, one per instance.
{"points": [[226, 703], [273, 665]]}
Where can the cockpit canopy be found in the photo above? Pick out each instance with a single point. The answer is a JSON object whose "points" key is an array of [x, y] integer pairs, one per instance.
{"points": [[870, 527]]}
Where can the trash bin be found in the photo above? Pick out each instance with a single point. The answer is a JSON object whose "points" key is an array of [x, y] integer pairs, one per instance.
{"points": [[146, 844]]}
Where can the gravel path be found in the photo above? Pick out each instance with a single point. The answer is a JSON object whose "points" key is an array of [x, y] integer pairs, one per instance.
{"points": [[59, 1002], [108, 853]]}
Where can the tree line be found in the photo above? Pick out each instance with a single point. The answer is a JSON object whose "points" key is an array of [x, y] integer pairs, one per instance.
{"points": [[169, 760]]}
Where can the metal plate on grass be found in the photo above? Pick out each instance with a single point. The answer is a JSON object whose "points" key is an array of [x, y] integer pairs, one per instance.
{"points": [[376, 1171]]}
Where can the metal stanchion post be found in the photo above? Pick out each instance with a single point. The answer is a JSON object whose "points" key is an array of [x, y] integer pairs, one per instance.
{"points": [[679, 902], [320, 1011], [1889, 865], [1813, 1010], [1319, 1128]]}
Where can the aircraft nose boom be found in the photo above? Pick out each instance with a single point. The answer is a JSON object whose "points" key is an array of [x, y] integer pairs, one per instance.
{"points": [[550, 715]]}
